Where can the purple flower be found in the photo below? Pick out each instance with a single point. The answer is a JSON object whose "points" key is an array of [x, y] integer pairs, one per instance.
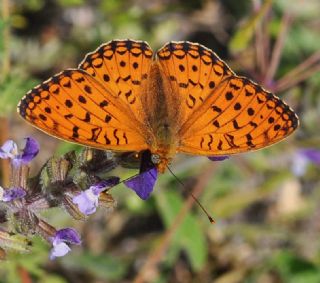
{"points": [[312, 154], [143, 183], [12, 194], [218, 157], [61, 240], [10, 150], [30, 150], [101, 186], [88, 200], [302, 158]]}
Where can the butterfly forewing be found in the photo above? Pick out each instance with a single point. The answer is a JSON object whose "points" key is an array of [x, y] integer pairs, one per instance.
{"points": [[74, 106], [122, 66], [194, 72], [240, 117]]}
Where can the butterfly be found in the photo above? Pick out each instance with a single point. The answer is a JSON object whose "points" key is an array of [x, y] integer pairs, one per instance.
{"points": [[182, 99]]}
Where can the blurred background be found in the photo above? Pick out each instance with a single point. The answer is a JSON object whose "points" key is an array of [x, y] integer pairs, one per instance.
{"points": [[265, 203]]}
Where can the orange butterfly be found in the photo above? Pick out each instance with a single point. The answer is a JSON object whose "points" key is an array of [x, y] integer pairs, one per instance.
{"points": [[183, 99]]}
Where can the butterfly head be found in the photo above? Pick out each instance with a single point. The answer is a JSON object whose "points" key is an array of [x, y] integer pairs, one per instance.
{"points": [[160, 162]]}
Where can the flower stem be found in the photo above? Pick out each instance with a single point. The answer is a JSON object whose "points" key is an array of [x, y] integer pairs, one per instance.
{"points": [[24, 275], [5, 8], [278, 47], [304, 70], [6, 38]]}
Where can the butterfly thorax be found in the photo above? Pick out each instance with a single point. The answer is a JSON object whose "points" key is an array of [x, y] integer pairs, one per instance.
{"points": [[162, 117]]}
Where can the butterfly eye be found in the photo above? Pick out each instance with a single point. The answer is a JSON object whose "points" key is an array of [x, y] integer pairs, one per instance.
{"points": [[155, 158]]}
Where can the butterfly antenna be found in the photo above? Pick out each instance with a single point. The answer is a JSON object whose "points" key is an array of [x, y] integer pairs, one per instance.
{"points": [[127, 179], [193, 196], [122, 181]]}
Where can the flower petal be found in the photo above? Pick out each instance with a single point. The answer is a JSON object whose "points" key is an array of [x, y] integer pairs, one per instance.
{"points": [[67, 235], [8, 150], [1, 192], [302, 158], [143, 183], [87, 202], [101, 186], [299, 164], [218, 157], [311, 154], [30, 150], [12, 194], [59, 250], [61, 239]]}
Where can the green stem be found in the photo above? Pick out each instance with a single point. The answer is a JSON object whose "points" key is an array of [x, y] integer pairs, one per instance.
{"points": [[4, 126]]}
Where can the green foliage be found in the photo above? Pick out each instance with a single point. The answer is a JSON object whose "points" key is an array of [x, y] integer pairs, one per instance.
{"points": [[3, 24], [67, 3], [103, 266], [35, 5], [14, 242], [188, 236], [295, 269], [31, 262], [65, 147], [242, 38], [300, 40], [10, 92]]}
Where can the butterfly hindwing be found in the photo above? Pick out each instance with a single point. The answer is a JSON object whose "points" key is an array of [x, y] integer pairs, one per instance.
{"points": [[74, 106]]}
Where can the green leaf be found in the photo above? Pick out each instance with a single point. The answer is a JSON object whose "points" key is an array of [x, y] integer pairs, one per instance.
{"points": [[65, 147], [295, 269], [69, 3], [103, 266], [188, 236], [15, 242], [12, 89], [52, 279], [234, 202], [243, 36], [32, 262], [300, 41]]}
